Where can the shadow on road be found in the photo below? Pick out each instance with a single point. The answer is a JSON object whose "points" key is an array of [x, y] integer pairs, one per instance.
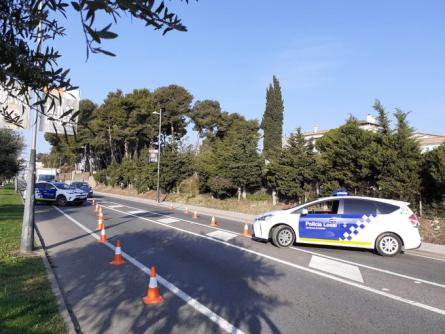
{"points": [[231, 283]]}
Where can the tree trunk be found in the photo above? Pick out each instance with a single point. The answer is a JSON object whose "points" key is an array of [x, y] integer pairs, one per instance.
{"points": [[244, 193], [126, 153], [274, 198], [110, 141], [239, 194]]}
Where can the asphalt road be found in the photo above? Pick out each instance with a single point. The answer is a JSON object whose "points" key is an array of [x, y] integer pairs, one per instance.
{"points": [[216, 280]]}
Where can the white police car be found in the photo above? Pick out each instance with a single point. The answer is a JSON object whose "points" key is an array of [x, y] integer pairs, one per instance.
{"points": [[381, 224], [58, 192]]}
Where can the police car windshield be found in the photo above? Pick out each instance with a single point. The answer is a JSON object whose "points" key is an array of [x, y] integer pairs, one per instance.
{"points": [[79, 184], [60, 185]]}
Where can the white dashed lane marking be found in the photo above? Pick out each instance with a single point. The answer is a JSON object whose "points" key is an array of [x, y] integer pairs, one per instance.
{"points": [[336, 268], [115, 206], [168, 220], [221, 235], [136, 212]]}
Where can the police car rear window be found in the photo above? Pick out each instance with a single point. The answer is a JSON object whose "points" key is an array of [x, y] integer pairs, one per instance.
{"points": [[356, 206], [362, 207], [385, 208]]}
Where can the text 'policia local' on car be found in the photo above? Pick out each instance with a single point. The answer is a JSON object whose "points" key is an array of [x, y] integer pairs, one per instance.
{"points": [[59, 192], [353, 221]]}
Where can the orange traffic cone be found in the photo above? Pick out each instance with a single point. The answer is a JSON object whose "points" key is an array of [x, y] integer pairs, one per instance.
{"points": [[100, 213], [103, 236], [96, 208], [94, 202], [153, 296], [171, 206], [246, 231], [118, 260], [100, 223], [195, 214], [213, 221], [186, 211]]}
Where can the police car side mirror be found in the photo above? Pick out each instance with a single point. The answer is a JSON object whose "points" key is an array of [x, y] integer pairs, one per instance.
{"points": [[304, 212]]}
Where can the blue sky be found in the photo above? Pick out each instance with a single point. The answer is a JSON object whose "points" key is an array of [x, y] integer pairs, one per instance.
{"points": [[333, 58]]}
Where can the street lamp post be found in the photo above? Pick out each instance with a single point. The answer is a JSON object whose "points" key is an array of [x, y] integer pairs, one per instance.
{"points": [[159, 153], [27, 237]]}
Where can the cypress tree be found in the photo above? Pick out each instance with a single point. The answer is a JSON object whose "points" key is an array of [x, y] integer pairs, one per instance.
{"points": [[272, 123]]}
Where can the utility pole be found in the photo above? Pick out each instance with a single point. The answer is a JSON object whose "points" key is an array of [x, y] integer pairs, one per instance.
{"points": [[27, 240], [158, 200]]}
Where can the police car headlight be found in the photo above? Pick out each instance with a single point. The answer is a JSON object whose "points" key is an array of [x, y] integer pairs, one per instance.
{"points": [[264, 218]]}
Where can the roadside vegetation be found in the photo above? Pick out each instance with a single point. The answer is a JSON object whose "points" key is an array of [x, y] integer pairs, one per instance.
{"points": [[117, 141], [27, 304]]}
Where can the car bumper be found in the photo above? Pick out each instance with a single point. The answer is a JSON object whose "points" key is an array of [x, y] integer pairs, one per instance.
{"points": [[258, 232]]}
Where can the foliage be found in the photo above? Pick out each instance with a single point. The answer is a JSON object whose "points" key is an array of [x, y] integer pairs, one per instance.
{"points": [[293, 174], [24, 68], [272, 123], [433, 179], [230, 160], [11, 146], [344, 158]]}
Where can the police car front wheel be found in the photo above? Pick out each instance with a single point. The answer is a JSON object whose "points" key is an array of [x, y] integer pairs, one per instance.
{"points": [[388, 244], [283, 236], [61, 200]]}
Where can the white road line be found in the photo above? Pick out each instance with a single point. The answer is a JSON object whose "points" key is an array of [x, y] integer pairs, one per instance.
{"points": [[427, 257], [370, 267], [336, 268], [221, 322], [221, 235], [135, 212], [116, 206], [319, 254], [168, 220], [296, 266]]}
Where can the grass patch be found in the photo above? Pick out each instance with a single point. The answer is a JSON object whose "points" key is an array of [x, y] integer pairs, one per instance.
{"points": [[27, 304]]}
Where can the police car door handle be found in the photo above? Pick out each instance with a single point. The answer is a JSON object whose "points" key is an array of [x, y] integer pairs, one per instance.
{"points": [[333, 220]]}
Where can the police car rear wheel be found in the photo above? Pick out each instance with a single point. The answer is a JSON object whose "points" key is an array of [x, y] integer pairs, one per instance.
{"points": [[283, 236], [388, 244], [61, 200]]}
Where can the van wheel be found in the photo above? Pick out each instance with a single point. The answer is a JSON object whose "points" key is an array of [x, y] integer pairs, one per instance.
{"points": [[388, 244], [283, 236], [61, 200]]}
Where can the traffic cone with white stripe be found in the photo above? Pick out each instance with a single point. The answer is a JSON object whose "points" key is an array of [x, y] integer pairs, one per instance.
{"points": [[153, 296], [100, 223], [246, 231], [96, 208], [94, 202], [213, 221], [186, 211], [103, 237], [100, 213], [195, 214], [118, 259]]}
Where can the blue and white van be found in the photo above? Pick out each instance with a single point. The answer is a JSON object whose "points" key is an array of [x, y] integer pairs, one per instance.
{"points": [[388, 226]]}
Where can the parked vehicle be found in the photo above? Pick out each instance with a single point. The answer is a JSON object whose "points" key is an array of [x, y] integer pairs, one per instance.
{"points": [[388, 226], [46, 174], [59, 193], [84, 186]]}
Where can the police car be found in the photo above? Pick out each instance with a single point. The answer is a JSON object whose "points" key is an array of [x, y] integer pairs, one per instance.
{"points": [[388, 226], [59, 192]]}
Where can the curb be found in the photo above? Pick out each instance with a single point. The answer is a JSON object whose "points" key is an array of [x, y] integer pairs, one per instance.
{"points": [[65, 311]]}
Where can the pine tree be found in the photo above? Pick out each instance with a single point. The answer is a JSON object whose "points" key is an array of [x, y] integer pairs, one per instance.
{"points": [[272, 122], [293, 173]]}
